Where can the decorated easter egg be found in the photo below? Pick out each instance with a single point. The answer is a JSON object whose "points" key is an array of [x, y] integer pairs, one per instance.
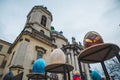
{"points": [[92, 38], [57, 56], [38, 66]]}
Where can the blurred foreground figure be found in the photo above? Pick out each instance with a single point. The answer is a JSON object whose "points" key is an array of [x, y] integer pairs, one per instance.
{"points": [[95, 75], [76, 76], [8, 76]]}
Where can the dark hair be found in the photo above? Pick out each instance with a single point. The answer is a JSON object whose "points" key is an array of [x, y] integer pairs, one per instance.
{"points": [[90, 71]]}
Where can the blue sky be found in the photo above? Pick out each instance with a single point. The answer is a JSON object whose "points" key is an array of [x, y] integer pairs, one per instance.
{"points": [[74, 17]]}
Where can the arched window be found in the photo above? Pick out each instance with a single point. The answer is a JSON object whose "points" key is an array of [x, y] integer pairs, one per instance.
{"points": [[39, 54], [43, 20]]}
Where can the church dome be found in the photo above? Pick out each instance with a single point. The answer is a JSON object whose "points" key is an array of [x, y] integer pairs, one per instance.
{"points": [[38, 66], [56, 33], [57, 56], [92, 38]]}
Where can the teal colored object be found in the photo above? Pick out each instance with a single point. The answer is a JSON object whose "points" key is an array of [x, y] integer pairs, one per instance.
{"points": [[52, 28], [95, 75], [39, 65]]}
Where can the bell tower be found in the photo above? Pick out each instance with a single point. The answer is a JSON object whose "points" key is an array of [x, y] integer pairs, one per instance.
{"points": [[40, 19], [33, 42]]}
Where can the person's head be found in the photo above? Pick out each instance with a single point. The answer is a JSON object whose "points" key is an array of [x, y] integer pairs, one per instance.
{"points": [[77, 73], [90, 71]]}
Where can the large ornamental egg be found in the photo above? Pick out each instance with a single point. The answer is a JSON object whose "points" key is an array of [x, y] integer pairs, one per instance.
{"points": [[38, 66], [92, 38], [57, 56]]}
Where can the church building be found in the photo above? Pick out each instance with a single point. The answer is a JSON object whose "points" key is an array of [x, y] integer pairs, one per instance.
{"points": [[37, 40]]}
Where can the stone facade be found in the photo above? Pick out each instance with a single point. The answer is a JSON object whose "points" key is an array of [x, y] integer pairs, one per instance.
{"points": [[4, 55]]}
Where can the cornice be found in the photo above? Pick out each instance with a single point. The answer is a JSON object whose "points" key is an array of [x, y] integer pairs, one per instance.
{"points": [[33, 35], [61, 37], [72, 46], [39, 37], [5, 42], [43, 9]]}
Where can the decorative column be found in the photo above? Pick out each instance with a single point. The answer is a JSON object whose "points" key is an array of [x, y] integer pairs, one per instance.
{"points": [[87, 72], [73, 61], [76, 63], [69, 61], [69, 58]]}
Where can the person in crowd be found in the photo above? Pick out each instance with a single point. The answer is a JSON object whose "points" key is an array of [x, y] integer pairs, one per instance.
{"points": [[8, 76], [95, 75], [76, 76]]}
